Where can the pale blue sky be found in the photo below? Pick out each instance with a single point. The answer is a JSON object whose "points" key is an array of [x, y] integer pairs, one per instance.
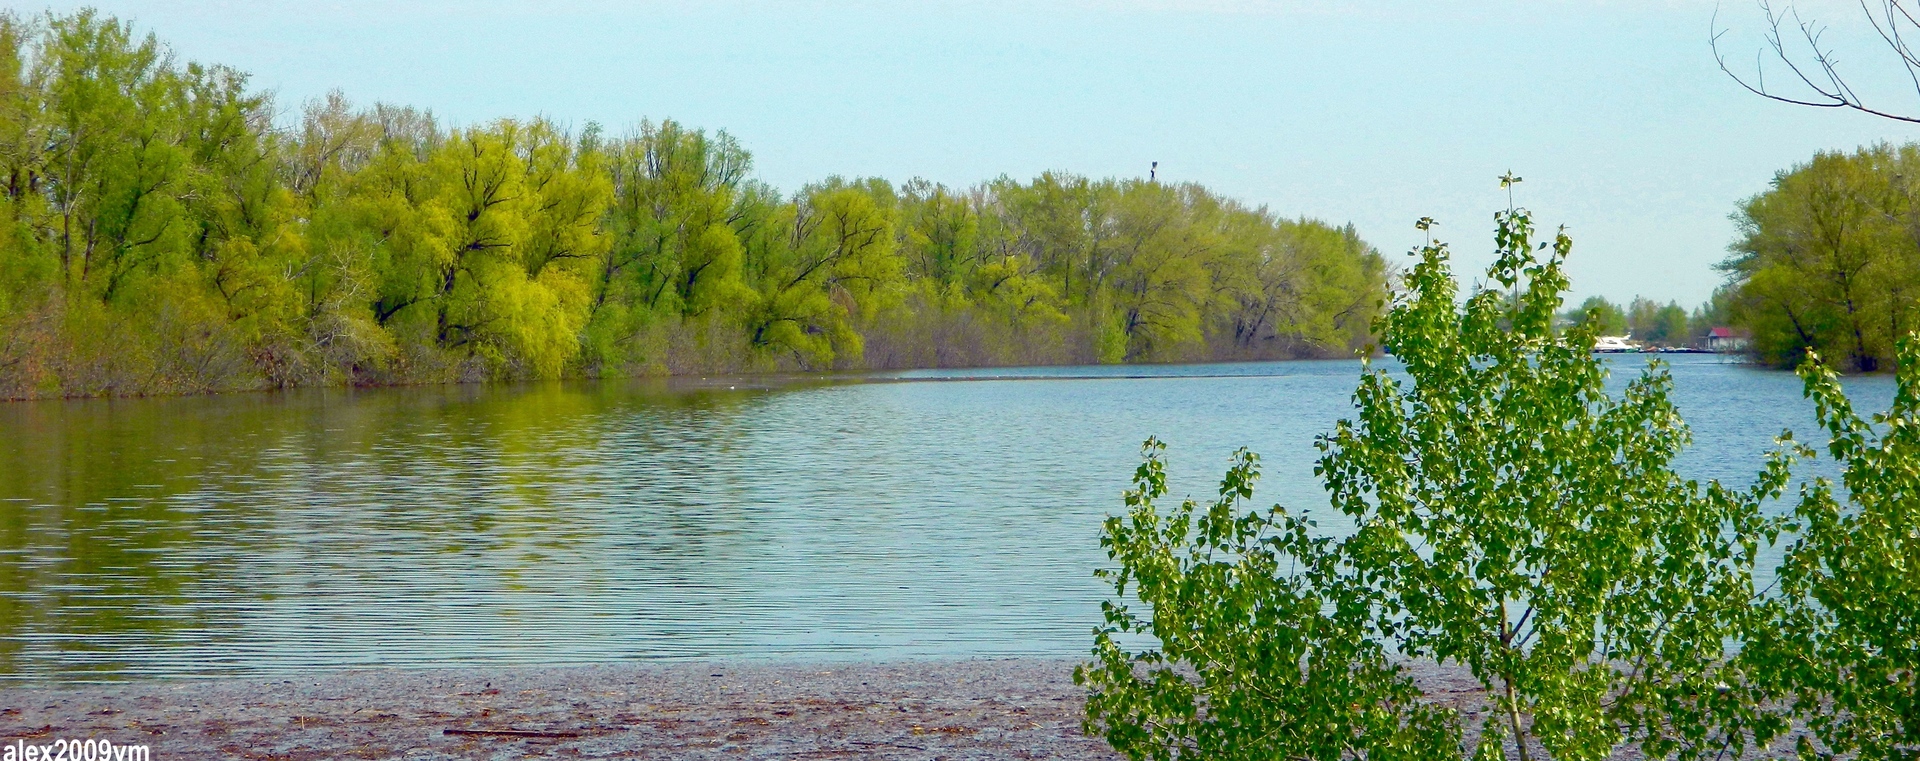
{"points": [[1376, 113]]}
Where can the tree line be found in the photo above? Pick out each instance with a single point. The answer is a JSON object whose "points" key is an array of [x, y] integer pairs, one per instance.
{"points": [[1649, 321], [159, 233], [1827, 259]]}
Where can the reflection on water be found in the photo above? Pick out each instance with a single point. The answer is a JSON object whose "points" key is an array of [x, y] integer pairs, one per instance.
{"points": [[590, 522]]}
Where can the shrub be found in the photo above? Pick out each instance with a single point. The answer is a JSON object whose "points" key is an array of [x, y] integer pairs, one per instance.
{"points": [[1511, 517], [1841, 640]]}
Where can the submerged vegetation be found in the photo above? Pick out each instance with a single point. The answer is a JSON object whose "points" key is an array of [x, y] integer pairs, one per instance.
{"points": [[159, 234], [1514, 518]]}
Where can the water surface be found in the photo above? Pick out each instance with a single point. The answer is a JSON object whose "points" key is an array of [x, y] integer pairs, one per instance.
{"points": [[561, 523]]}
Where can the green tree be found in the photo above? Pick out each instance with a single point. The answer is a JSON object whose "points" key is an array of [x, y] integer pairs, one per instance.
{"points": [[1300, 284], [1160, 274], [158, 234], [481, 242], [1660, 325], [1841, 639], [1599, 315], [1717, 312], [1063, 222], [1829, 257], [518, 205], [1511, 516], [674, 246], [939, 233], [117, 162], [839, 251]]}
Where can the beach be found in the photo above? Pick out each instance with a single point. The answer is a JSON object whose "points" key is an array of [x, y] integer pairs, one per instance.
{"points": [[962, 709], [1012, 708]]}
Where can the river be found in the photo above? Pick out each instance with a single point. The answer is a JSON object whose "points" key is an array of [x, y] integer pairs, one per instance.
{"points": [[930, 514]]}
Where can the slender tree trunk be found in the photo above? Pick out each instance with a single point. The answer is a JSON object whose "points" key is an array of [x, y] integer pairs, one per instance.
{"points": [[1512, 700], [1513, 717]]}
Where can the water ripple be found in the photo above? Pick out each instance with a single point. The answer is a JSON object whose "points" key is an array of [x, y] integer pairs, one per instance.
{"points": [[595, 522]]}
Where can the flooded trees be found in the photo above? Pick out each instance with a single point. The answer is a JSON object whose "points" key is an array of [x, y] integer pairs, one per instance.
{"points": [[159, 234]]}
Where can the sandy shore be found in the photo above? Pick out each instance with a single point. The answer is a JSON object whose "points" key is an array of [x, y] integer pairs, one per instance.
{"points": [[972, 709], [963, 709]]}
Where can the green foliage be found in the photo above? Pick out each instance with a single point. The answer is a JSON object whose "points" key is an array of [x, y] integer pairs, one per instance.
{"points": [[158, 235], [1716, 312], [1656, 324], [1827, 259], [1598, 315], [1511, 517], [1269, 645], [1842, 637]]}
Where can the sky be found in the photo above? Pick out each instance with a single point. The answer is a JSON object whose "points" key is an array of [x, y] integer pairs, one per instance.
{"points": [[1614, 112]]}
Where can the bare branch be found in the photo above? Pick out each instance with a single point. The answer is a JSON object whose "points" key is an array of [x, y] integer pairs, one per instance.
{"points": [[1890, 32], [1818, 69]]}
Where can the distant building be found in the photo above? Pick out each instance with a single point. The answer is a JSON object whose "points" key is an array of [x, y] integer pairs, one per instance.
{"points": [[1727, 340]]}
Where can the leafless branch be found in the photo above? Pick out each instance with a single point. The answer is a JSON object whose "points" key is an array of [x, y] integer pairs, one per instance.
{"points": [[1814, 63]]}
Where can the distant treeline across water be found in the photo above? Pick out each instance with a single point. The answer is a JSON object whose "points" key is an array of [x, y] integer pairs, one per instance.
{"points": [[160, 234]]}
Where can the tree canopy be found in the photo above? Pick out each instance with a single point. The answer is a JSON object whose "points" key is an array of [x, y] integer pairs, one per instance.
{"points": [[159, 233], [1829, 259], [1512, 517]]}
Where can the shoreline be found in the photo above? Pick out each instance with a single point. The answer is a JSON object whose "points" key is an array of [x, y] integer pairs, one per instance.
{"points": [[781, 379], [1016, 708], [980, 708], [759, 380]]}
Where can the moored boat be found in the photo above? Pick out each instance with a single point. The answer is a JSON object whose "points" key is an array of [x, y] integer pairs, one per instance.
{"points": [[1613, 345]]}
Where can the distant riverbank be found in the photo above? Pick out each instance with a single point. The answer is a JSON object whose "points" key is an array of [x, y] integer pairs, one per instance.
{"points": [[745, 380]]}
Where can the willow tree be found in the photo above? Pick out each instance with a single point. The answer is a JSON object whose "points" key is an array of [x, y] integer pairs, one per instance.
{"points": [[159, 233], [1297, 286], [837, 255]]}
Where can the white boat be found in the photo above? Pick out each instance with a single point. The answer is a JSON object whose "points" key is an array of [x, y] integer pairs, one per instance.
{"points": [[1613, 345]]}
